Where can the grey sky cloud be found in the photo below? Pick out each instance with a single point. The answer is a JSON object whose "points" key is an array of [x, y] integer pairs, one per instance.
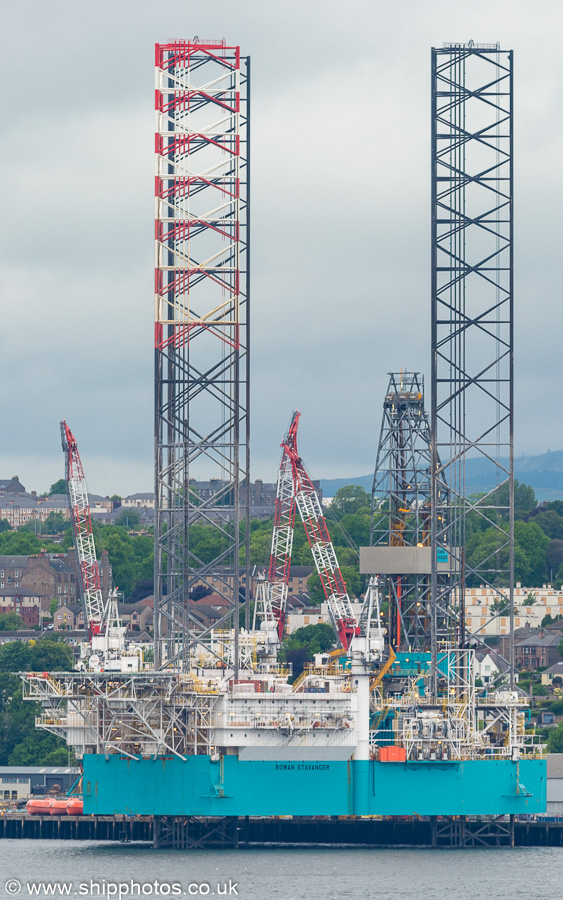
{"points": [[340, 189]]}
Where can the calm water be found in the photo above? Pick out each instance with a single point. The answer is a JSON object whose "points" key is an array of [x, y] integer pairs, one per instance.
{"points": [[291, 874]]}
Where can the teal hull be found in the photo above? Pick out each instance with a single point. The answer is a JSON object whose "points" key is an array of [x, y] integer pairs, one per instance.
{"points": [[201, 787]]}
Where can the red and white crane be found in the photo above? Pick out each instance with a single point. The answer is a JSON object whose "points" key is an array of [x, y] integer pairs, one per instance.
{"points": [[282, 538], [106, 648], [296, 491], [83, 534]]}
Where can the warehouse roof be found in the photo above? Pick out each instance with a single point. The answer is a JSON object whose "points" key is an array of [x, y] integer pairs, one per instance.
{"points": [[40, 770]]}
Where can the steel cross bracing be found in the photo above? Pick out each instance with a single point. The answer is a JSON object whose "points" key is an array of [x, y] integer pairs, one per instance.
{"points": [[401, 506], [201, 333], [472, 321], [83, 536], [136, 716]]}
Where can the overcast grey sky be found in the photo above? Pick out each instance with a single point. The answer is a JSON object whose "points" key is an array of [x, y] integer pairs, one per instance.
{"points": [[340, 194]]}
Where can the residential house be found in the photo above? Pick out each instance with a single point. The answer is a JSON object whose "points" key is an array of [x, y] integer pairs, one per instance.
{"points": [[302, 612], [489, 665], [49, 576], [537, 650], [531, 606], [69, 617], [136, 616], [262, 495], [19, 508], [25, 603], [11, 486], [23, 634], [137, 501], [555, 671]]}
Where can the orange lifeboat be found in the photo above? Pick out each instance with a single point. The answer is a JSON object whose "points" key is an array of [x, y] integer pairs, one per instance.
{"points": [[74, 807], [58, 808], [39, 807]]}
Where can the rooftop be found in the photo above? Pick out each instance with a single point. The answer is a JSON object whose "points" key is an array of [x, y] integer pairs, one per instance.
{"points": [[40, 770]]}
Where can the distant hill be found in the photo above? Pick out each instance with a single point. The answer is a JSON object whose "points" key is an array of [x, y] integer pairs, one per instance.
{"points": [[544, 473]]}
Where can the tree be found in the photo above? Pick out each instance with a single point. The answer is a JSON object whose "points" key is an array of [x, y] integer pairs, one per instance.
{"points": [[533, 543], [10, 621], [260, 547], [315, 588], [121, 554], [129, 518], [357, 527], [350, 575], [5, 525], [20, 742], [524, 498], [55, 523], [554, 556], [555, 739], [551, 522], [353, 581], [58, 487], [141, 590], [350, 499], [53, 606], [501, 606], [549, 620], [301, 646]]}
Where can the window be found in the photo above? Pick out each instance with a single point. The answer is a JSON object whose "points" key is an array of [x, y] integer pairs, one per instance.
{"points": [[16, 573], [14, 795], [1, 573]]}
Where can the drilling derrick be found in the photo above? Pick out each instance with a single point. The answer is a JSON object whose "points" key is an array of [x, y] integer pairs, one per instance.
{"points": [[401, 510], [201, 334]]}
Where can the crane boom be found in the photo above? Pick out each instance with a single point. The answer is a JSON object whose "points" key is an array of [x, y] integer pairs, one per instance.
{"points": [[282, 540], [83, 534], [316, 528]]}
